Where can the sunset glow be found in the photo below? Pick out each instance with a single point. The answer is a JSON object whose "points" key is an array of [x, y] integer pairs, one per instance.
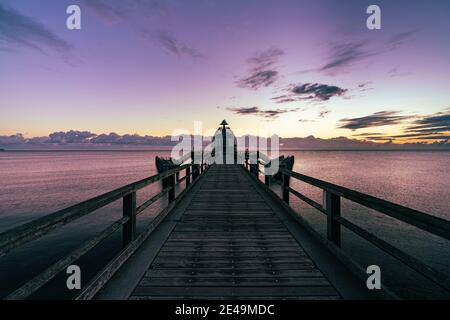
{"points": [[295, 67]]}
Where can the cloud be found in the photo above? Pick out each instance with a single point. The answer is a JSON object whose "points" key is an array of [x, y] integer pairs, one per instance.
{"points": [[435, 123], [318, 91], [344, 55], [395, 72], [434, 126], [377, 119], [172, 45], [323, 113], [70, 137], [17, 30], [75, 137], [366, 134], [310, 91], [429, 127], [259, 79], [263, 60], [400, 38], [272, 113], [263, 70], [364, 86], [79, 140], [143, 16], [13, 139], [344, 143], [114, 11]]}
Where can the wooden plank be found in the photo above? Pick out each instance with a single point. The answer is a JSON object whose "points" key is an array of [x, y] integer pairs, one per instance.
{"points": [[238, 243], [211, 273], [234, 237], [235, 260], [243, 250], [242, 267], [242, 292], [235, 254], [236, 281]]}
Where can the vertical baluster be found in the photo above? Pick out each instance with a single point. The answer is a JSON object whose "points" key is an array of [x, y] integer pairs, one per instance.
{"points": [[333, 209], [257, 165], [188, 176], [266, 178], [201, 164], [286, 183], [129, 210], [171, 185]]}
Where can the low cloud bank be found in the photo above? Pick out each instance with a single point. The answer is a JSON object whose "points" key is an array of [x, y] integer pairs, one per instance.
{"points": [[88, 140]]}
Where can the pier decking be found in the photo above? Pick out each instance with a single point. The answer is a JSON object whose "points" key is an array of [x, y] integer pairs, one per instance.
{"points": [[229, 243]]}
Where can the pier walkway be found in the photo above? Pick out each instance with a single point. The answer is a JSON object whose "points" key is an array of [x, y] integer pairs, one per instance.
{"points": [[227, 241]]}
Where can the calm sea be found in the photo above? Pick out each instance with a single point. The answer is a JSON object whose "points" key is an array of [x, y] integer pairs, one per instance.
{"points": [[34, 184]]}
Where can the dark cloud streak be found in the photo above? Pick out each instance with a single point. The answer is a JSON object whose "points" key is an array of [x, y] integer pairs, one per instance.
{"points": [[430, 127], [272, 113], [17, 30], [377, 119], [346, 54], [172, 45], [263, 70], [310, 91]]}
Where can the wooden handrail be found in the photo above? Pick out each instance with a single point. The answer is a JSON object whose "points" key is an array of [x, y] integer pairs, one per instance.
{"points": [[421, 220], [13, 238], [332, 207], [18, 236]]}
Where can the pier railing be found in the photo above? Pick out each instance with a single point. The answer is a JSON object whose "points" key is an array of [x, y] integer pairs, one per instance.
{"points": [[21, 235], [331, 208]]}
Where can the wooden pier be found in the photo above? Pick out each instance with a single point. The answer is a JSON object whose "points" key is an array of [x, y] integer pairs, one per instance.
{"points": [[225, 234], [229, 242]]}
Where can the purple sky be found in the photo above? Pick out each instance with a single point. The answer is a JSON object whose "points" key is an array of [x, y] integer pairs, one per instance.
{"points": [[297, 68]]}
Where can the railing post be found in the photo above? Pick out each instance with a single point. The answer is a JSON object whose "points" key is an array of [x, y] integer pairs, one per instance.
{"points": [[171, 185], [195, 167], [333, 208], [257, 165], [188, 176], [266, 179], [246, 157], [129, 210], [201, 165], [286, 182]]}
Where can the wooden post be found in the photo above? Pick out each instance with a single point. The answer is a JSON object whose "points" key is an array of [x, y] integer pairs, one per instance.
{"points": [[246, 157], [266, 179], [171, 185], [333, 209], [195, 167], [257, 165], [129, 210], [201, 165], [188, 176], [286, 180]]}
